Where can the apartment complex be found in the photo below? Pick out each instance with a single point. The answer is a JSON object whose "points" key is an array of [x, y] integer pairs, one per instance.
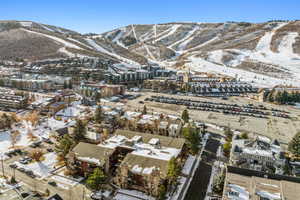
{"points": [[246, 185], [136, 160]]}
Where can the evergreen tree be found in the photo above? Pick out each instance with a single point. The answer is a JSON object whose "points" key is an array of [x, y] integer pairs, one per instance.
{"points": [[70, 85], [96, 179], [98, 114], [64, 145], [185, 116], [145, 110], [294, 145], [172, 171], [97, 96], [193, 139], [79, 131], [270, 96], [65, 85], [228, 134], [227, 148], [244, 135], [1, 82], [284, 97], [162, 192]]}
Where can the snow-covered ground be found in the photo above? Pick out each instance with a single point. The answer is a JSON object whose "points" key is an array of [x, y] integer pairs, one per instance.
{"points": [[47, 28], [4, 187], [285, 58], [202, 65], [168, 32], [59, 40], [40, 131], [77, 41], [188, 166], [101, 49], [185, 40], [26, 24], [5, 140], [44, 168], [118, 36], [123, 194], [71, 111]]}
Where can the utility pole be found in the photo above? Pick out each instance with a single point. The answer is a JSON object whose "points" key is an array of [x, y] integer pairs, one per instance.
{"points": [[70, 194], [2, 163], [83, 194]]}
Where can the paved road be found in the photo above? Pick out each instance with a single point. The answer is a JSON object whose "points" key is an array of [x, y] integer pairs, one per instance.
{"points": [[198, 186]]}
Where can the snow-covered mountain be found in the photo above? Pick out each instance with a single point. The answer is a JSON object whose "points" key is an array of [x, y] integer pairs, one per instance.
{"points": [[264, 53], [35, 41]]}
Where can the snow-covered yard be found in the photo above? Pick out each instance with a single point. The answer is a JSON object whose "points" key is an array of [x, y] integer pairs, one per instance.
{"points": [[5, 141], [42, 169]]}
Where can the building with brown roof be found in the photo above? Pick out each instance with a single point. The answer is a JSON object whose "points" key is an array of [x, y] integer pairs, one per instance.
{"points": [[85, 157], [247, 186], [144, 165]]}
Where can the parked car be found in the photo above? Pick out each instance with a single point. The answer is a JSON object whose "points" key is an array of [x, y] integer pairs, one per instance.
{"points": [[14, 166], [53, 183], [96, 196]]}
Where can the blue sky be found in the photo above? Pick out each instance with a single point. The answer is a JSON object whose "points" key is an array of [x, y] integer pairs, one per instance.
{"points": [[103, 15]]}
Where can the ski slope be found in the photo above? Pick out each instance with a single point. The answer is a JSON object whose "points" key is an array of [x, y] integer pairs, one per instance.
{"points": [[101, 49], [59, 40], [285, 58], [184, 41], [168, 32]]}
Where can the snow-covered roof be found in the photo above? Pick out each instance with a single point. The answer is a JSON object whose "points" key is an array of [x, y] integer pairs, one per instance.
{"points": [[259, 152], [145, 144], [237, 192]]}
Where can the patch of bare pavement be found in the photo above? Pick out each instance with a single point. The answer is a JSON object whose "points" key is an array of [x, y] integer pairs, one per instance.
{"points": [[198, 187]]}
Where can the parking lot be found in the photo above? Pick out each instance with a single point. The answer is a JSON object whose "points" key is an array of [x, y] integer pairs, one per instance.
{"points": [[233, 109], [275, 127]]}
